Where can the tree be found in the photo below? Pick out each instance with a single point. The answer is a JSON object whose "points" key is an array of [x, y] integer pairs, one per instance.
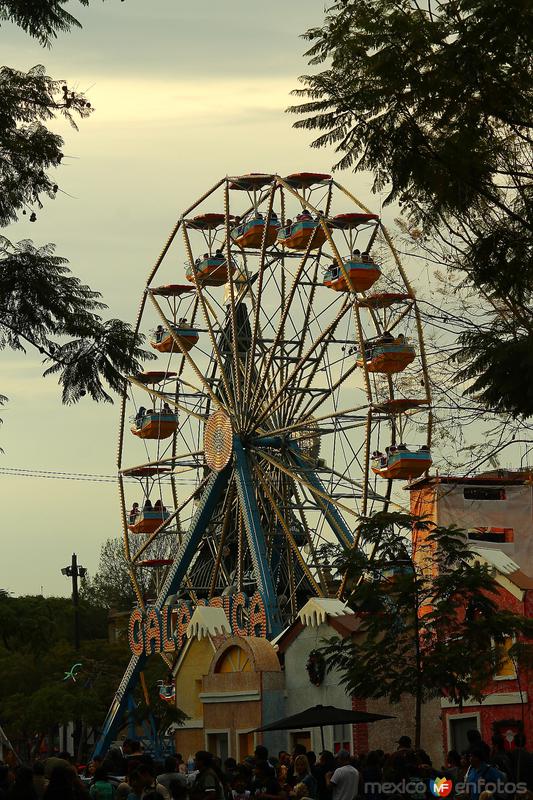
{"points": [[111, 585], [431, 620], [435, 99], [42, 304]]}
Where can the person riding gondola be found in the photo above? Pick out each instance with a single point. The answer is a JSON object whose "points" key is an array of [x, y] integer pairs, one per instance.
{"points": [[386, 338], [139, 416], [159, 332], [148, 505], [134, 513], [219, 253]]}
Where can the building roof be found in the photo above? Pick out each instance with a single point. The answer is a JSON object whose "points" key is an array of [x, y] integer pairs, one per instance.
{"points": [[208, 621], [505, 565], [317, 610], [503, 477]]}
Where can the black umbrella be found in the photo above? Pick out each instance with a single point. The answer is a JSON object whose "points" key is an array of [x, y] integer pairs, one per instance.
{"points": [[318, 716]]}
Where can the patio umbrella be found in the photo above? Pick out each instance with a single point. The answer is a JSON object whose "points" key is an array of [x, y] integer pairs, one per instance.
{"points": [[318, 716]]}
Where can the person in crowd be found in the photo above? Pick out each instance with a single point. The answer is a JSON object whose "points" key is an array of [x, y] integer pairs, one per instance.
{"points": [[239, 786], [522, 762], [102, 788], [371, 775], [171, 773], [480, 772], [178, 791], [345, 780], [453, 768], [326, 765], [23, 787], [475, 740], [265, 786], [39, 781], [261, 754], [65, 785], [207, 785], [302, 775], [499, 757]]}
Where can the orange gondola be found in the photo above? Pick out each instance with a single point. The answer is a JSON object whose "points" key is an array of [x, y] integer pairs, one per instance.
{"points": [[352, 220], [363, 275], [147, 521], [399, 405], [207, 222], [172, 290], [383, 299], [250, 234], [210, 271], [303, 180], [298, 235], [250, 182], [403, 464], [387, 357], [153, 376], [185, 335], [155, 426]]}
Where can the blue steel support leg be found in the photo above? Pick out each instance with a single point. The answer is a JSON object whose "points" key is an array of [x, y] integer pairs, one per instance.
{"points": [[335, 520], [256, 538], [190, 541]]}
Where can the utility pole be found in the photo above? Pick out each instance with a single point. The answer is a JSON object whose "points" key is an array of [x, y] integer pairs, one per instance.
{"points": [[74, 571]]}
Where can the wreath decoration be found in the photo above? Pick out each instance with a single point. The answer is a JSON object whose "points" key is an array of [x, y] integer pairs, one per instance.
{"points": [[316, 667]]}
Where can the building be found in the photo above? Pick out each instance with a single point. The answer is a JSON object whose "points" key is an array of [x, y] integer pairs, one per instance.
{"points": [[496, 510]]}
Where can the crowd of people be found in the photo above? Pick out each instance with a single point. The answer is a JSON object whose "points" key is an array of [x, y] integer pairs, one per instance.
{"points": [[130, 774]]}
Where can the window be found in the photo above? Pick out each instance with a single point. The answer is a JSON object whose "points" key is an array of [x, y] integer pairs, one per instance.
{"points": [[501, 535], [341, 738], [507, 669], [484, 493]]}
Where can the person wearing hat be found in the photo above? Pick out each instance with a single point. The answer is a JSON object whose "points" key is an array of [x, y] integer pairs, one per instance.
{"points": [[404, 743]]}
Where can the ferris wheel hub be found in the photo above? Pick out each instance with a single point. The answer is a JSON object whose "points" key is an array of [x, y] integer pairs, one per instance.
{"points": [[218, 440]]}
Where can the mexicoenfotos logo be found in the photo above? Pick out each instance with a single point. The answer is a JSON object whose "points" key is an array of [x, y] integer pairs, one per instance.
{"points": [[441, 787]]}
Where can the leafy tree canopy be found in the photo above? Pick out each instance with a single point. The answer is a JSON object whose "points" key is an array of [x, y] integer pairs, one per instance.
{"points": [[41, 303], [435, 99]]}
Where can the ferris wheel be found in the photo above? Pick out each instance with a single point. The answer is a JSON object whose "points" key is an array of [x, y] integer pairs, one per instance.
{"points": [[289, 397]]}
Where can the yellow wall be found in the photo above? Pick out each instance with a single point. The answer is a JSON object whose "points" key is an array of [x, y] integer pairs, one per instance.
{"points": [[194, 666]]}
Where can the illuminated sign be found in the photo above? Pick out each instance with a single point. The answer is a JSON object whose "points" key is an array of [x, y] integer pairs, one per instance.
{"points": [[163, 631]]}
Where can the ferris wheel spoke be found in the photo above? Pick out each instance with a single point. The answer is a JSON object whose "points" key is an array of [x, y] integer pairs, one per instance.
{"points": [[228, 510], [290, 538], [237, 366], [321, 495], [256, 324], [303, 360], [230, 401], [190, 361], [267, 363]]}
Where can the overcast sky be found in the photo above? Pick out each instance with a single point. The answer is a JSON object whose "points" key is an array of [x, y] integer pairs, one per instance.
{"points": [[185, 93]]}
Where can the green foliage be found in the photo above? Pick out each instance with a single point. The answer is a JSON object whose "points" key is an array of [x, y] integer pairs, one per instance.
{"points": [[111, 586], [36, 651], [27, 100], [431, 623], [42, 19], [42, 304], [435, 99]]}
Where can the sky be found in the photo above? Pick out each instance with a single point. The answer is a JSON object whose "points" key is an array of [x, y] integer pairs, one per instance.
{"points": [[184, 93]]}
